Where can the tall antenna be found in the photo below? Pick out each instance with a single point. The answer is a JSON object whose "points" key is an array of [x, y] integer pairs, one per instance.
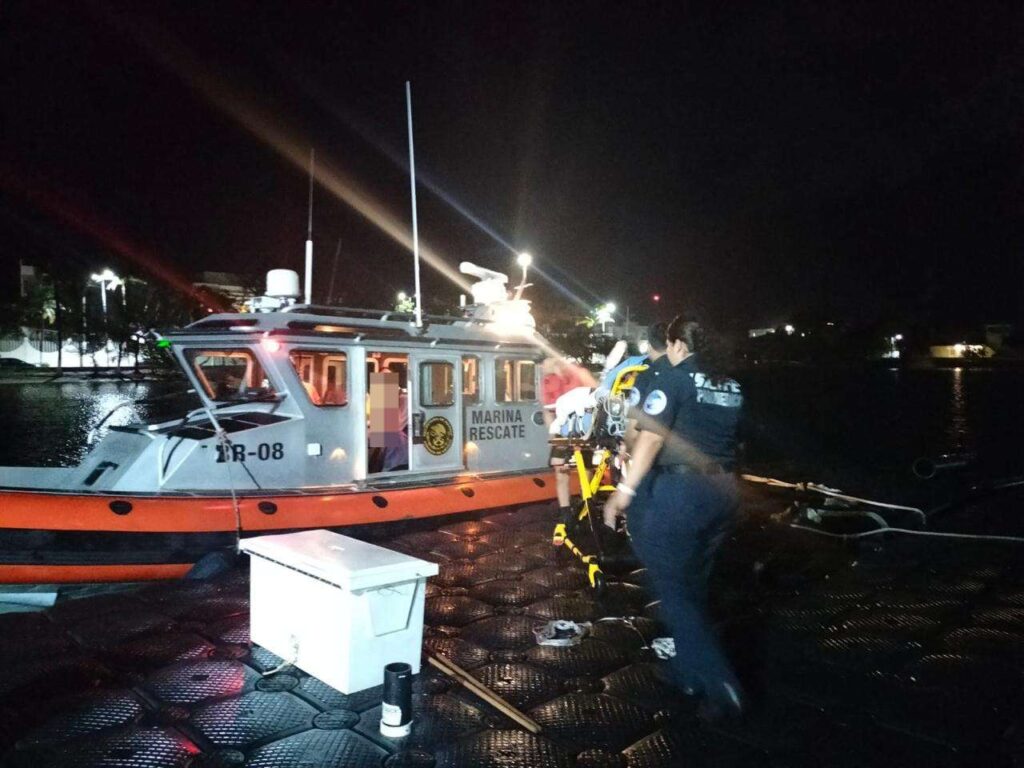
{"points": [[412, 183], [309, 232], [334, 270]]}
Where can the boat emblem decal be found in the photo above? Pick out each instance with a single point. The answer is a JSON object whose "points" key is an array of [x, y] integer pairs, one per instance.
{"points": [[438, 435]]}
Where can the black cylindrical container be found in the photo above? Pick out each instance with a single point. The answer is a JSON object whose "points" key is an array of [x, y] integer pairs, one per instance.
{"points": [[396, 706]]}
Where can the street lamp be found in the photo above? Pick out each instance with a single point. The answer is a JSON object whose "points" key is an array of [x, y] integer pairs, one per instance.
{"points": [[605, 314], [107, 281], [524, 260], [404, 302]]}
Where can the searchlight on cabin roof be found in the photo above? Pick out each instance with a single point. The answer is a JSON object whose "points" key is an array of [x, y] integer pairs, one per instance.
{"points": [[507, 314]]}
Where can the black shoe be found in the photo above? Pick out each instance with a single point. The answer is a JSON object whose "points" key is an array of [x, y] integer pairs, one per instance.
{"points": [[728, 706]]}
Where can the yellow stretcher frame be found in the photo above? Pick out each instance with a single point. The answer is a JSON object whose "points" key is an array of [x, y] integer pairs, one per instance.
{"points": [[592, 484]]}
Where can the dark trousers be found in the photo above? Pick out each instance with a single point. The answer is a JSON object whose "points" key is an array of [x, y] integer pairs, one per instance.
{"points": [[676, 524]]}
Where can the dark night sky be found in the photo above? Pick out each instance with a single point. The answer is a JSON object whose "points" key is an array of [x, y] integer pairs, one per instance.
{"points": [[857, 161]]}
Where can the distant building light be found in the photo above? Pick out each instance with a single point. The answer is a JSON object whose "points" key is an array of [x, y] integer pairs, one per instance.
{"points": [[789, 329], [898, 337], [962, 349]]}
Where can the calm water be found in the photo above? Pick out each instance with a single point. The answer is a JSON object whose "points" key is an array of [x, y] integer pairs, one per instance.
{"points": [[863, 429], [48, 424], [857, 430]]}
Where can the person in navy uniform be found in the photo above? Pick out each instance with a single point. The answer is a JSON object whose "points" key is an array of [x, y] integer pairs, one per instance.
{"points": [[682, 498], [657, 363]]}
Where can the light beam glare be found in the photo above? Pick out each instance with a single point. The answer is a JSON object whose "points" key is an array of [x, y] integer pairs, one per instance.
{"points": [[423, 178], [177, 59]]}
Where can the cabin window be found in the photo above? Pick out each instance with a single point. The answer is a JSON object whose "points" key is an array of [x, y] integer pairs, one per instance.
{"points": [[324, 375], [230, 375], [437, 384], [471, 379], [515, 381]]}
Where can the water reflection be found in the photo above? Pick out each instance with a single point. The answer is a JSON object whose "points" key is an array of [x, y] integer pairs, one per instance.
{"points": [[958, 428], [48, 424]]}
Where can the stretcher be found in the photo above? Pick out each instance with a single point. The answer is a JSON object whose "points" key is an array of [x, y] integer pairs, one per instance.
{"points": [[592, 424]]}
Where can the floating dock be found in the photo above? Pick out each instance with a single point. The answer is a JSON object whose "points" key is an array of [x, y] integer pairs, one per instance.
{"points": [[907, 652]]}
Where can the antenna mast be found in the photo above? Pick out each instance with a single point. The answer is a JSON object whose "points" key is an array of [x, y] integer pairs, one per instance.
{"points": [[309, 232], [412, 183]]}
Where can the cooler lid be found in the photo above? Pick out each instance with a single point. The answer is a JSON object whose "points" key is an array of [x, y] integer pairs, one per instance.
{"points": [[349, 563]]}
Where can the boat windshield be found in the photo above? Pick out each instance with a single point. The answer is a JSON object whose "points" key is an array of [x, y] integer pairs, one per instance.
{"points": [[230, 375]]}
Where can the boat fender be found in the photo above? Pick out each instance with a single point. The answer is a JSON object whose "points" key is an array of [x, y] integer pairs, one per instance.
{"points": [[211, 565]]}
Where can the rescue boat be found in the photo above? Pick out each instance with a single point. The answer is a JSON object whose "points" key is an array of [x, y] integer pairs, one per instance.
{"points": [[310, 417]]}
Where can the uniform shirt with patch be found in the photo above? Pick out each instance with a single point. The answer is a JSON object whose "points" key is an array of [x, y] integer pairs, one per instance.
{"points": [[646, 380], [703, 416]]}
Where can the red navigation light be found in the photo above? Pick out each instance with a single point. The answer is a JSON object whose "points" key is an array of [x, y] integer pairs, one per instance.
{"points": [[656, 297]]}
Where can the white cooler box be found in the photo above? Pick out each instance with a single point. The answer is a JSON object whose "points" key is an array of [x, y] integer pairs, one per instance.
{"points": [[336, 607]]}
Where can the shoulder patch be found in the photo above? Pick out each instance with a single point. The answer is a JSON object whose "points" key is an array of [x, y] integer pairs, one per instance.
{"points": [[655, 402], [633, 398]]}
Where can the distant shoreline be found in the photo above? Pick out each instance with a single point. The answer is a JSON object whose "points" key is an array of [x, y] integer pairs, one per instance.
{"points": [[73, 375], [928, 364]]}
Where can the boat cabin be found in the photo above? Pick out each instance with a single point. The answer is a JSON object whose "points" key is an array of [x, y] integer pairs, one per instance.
{"points": [[315, 399]]}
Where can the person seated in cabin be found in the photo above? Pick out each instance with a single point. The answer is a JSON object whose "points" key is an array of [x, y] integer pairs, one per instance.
{"points": [[389, 419], [229, 387]]}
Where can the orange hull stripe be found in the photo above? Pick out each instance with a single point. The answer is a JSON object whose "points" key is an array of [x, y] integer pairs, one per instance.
{"points": [[54, 574], [198, 514]]}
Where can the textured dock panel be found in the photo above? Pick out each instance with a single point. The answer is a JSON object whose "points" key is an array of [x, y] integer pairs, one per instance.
{"points": [[322, 696], [464, 653], [153, 651], [506, 592], [115, 628], [198, 681], [684, 744], [132, 748], [502, 749], [590, 657], [521, 685], [578, 721], [244, 721], [558, 579], [461, 549], [93, 713], [323, 749], [455, 611], [643, 685], [464, 573], [571, 608], [503, 632]]}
